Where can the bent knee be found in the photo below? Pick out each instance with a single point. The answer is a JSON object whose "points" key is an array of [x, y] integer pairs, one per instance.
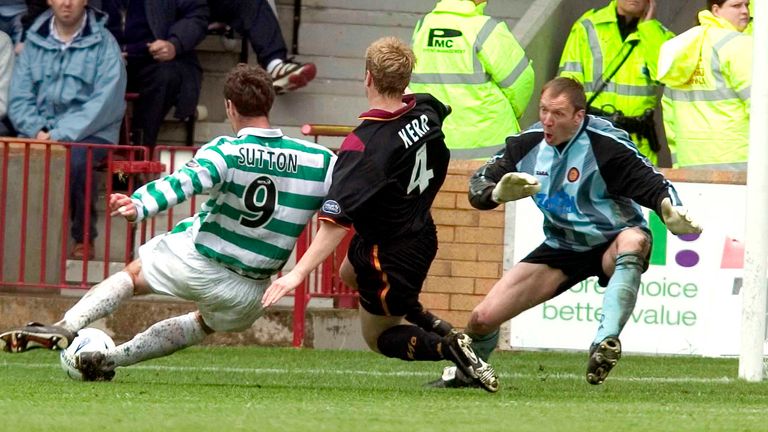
{"points": [[480, 323], [634, 240]]}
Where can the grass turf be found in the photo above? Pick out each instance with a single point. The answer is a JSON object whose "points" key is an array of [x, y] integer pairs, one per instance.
{"points": [[283, 389]]}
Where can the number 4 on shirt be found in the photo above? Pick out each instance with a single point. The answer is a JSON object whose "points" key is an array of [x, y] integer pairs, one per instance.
{"points": [[421, 175]]}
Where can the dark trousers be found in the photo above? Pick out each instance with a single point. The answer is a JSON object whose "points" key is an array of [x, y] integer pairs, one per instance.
{"points": [[255, 20], [77, 188], [6, 128], [158, 85]]}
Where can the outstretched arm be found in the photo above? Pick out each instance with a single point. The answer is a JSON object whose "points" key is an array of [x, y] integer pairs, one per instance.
{"points": [[328, 237], [204, 173]]}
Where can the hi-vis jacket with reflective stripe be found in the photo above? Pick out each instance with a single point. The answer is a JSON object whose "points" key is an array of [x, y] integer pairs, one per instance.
{"points": [[594, 50], [708, 76], [473, 63]]}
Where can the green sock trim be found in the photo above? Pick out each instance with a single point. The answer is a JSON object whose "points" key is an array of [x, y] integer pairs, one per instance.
{"points": [[485, 344]]}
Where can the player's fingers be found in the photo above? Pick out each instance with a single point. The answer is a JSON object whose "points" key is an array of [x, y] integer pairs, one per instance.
{"points": [[273, 293]]}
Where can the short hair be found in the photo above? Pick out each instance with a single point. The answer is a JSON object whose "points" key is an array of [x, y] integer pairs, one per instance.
{"points": [[390, 62], [571, 88], [250, 90]]}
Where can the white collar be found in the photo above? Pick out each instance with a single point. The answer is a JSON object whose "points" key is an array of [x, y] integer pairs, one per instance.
{"points": [[55, 32], [266, 133]]}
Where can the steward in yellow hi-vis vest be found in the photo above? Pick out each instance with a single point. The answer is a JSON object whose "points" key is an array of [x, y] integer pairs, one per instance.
{"points": [[473, 63], [612, 51], [707, 72]]}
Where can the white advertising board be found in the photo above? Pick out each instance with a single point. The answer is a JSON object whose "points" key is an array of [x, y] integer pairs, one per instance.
{"points": [[689, 300]]}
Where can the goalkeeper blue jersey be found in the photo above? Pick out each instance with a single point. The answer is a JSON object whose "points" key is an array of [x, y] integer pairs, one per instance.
{"points": [[591, 186]]}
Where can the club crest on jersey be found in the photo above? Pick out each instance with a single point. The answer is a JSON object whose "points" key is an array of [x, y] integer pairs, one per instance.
{"points": [[573, 174], [331, 207]]}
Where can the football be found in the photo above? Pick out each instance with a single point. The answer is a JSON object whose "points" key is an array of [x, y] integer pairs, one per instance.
{"points": [[88, 339]]}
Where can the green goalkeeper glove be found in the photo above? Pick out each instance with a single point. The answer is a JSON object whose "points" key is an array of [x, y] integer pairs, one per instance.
{"points": [[515, 185], [677, 219]]}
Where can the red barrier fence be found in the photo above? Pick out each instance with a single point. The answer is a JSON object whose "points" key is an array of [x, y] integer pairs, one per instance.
{"points": [[35, 190]]}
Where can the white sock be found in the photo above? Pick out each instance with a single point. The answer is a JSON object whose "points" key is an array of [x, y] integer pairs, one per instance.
{"points": [[273, 64], [100, 301], [161, 339]]}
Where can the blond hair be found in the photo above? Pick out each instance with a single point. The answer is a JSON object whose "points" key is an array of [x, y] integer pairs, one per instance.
{"points": [[390, 62]]}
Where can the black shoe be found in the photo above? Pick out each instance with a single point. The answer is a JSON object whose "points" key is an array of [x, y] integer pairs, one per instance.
{"points": [[94, 366], [36, 335], [602, 358], [462, 354], [453, 377]]}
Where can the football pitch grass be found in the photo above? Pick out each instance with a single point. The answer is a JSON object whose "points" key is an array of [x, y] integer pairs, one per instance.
{"points": [[285, 389]]}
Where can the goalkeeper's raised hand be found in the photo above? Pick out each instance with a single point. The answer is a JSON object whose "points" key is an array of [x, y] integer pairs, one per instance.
{"points": [[677, 219], [515, 185]]}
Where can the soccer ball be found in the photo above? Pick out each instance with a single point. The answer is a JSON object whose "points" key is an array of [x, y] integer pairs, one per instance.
{"points": [[88, 339]]}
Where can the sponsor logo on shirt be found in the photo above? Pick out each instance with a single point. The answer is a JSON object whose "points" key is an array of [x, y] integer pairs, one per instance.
{"points": [[573, 174], [192, 164], [331, 207], [542, 173]]}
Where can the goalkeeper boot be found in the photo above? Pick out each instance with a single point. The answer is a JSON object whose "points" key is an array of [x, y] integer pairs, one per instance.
{"points": [[462, 354], [94, 366], [602, 358], [36, 335]]}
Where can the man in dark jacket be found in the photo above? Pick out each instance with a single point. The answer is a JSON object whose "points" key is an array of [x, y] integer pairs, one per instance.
{"points": [[158, 39]]}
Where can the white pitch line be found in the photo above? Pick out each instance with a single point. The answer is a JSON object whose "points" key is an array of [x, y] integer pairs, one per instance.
{"points": [[514, 375]]}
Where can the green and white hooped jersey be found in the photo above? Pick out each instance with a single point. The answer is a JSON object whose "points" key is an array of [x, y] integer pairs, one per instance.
{"points": [[263, 187]]}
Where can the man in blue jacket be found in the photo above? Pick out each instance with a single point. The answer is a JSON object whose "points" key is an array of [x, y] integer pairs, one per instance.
{"points": [[158, 39], [68, 85]]}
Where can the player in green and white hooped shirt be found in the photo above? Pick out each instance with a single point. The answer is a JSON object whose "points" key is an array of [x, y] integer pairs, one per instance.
{"points": [[263, 188]]}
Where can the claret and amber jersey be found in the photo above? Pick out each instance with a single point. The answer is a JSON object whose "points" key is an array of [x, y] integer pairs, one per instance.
{"points": [[389, 170]]}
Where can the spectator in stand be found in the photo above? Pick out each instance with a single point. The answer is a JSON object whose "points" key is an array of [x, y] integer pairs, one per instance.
{"points": [[256, 21], [613, 51], [6, 66], [707, 72], [68, 85], [11, 12], [33, 9], [158, 39]]}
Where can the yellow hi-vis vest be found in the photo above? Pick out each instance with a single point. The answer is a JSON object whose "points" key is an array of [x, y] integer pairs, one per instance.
{"points": [[707, 72], [474, 64], [594, 49]]}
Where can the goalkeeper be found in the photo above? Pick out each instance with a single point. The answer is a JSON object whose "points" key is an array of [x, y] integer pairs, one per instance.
{"points": [[589, 181]]}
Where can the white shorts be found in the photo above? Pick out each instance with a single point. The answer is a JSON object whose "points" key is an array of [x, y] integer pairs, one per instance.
{"points": [[228, 302]]}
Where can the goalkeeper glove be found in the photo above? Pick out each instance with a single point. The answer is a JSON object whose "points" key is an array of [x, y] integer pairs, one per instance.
{"points": [[677, 219], [515, 185]]}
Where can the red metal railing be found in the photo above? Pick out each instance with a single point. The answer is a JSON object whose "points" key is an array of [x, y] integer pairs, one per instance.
{"points": [[34, 210]]}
